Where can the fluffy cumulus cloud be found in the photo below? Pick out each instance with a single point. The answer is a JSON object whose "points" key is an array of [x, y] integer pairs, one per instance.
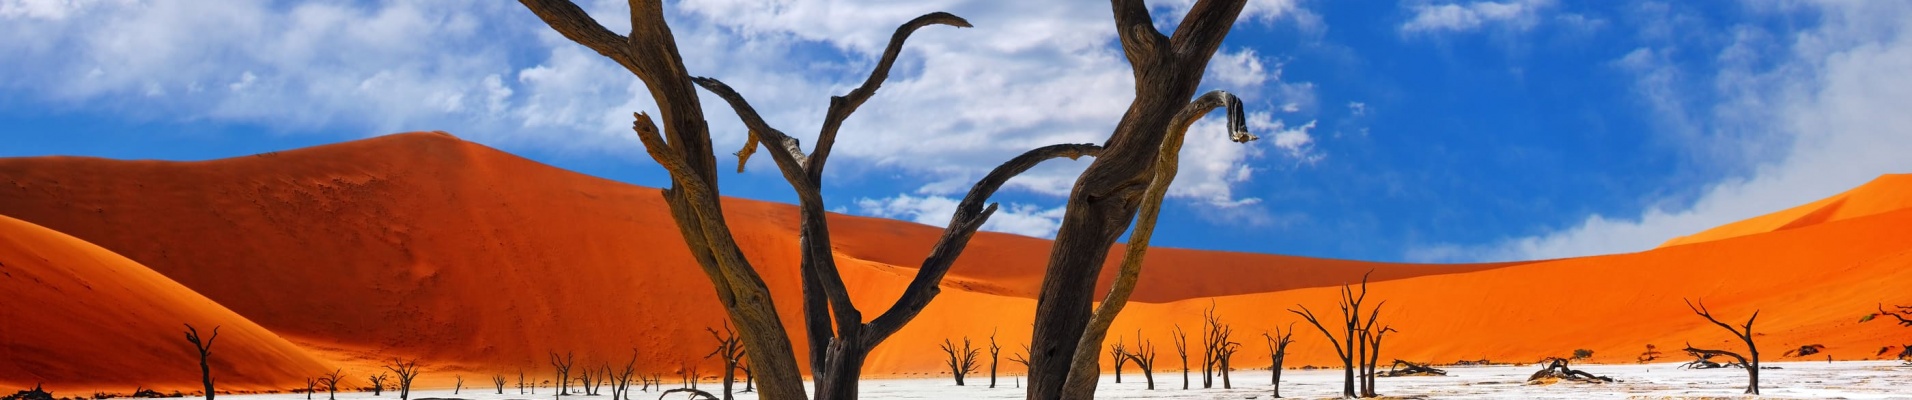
{"points": [[959, 102], [1470, 16], [1831, 111]]}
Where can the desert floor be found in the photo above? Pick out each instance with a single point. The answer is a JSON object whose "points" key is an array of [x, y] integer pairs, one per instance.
{"points": [[1809, 380]]}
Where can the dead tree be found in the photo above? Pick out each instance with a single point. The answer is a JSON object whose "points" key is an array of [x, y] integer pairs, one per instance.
{"points": [[1372, 338], [961, 360], [1649, 355], [1901, 313], [311, 384], [691, 376], [1556, 371], [1022, 357], [1116, 352], [499, 381], [407, 371], [460, 385], [750, 380], [995, 355], [563, 368], [378, 383], [1144, 358], [521, 386], [1278, 352], [1168, 68], [1181, 349], [621, 382], [1744, 333], [693, 392], [586, 378], [205, 353], [1345, 347], [1408, 368], [1217, 348], [331, 382], [730, 351]]}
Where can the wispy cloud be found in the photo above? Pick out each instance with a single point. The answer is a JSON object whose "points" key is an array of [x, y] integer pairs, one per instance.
{"points": [[1471, 16], [1832, 107]]}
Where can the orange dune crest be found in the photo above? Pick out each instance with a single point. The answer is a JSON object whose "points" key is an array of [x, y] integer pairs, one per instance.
{"points": [[81, 318], [1884, 194], [476, 261]]}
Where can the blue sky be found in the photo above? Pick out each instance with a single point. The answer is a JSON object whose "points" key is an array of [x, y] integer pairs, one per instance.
{"points": [[1394, 130]]}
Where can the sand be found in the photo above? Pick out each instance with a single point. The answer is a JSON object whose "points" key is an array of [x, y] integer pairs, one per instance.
{"points": [[476, 261]]}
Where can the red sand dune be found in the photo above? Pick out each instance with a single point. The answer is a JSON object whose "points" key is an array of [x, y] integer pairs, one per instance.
{"points": [[422, 245], [82, 318], [1885, 194]]}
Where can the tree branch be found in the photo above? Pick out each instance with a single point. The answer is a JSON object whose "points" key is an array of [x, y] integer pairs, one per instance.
{"points": [[791, 160], [842, 106], [1203, 28], [577, 25], [970, 215], [1141, 42], [1167, 162]]}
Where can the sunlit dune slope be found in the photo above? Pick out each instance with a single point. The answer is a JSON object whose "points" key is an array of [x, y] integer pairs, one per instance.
{"points": [[79, 317], [1885, 194], [423, 245]]}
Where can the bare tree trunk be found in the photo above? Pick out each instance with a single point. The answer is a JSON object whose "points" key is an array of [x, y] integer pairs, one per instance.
{"points": [[1745, 335], [205, 353]]}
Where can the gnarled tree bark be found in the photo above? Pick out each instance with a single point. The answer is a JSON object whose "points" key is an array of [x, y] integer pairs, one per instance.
{"points": [[1167, 69], [1744, 333]]}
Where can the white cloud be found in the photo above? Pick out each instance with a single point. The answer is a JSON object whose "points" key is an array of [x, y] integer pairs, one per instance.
{"points": [[1020, 219], [1466, 17], [1832, 109], [959, 102]]}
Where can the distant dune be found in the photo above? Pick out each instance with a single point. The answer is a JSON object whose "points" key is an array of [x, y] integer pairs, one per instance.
{"points": [[477, 261], [77, 315]]}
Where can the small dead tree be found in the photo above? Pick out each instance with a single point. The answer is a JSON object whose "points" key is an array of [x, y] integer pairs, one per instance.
{"points": [[460, 385], [521, 384], [378, 383], [311, 384], [587, 378], [961, 360], [1901, 313], [563, 368], [1649, 355], [499, 381], [331, 382], [621, 381], [995, 355], [1372, 338], [1116, 352], [205, 353], [730, 351], [1144, 358], [1556, 371], [1220, 348], [1181, 349], [1744, 333], [1346, 347], [1277, 353], [407, 371], [1408, 368]]}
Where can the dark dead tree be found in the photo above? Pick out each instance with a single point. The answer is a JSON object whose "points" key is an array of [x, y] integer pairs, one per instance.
{"points": [[498, 380], [1649, 355], [1022, 357], [521, 385], [1217, 348], [205, 353], [691, 376], [1084, 371], [995, 355], [730, 351], [750, 380], [621, 381], [311, 384], [585, 379], [683, 148], [1344, 347], [460, 385], [1556, 371], [378, 382], [331, 382], [1116, 352], [961, 360], [1167, 69], [1181, 349], [562, 366], [1373, 340], [1144, 358], [407, 371], [693, 392], [1409, 368], [1744, 333], [1900, 313], [1277, 353]]}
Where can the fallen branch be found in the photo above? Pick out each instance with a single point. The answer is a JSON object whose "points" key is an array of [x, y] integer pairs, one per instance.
{"points": [[1557, 371], [1406, 368]]}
